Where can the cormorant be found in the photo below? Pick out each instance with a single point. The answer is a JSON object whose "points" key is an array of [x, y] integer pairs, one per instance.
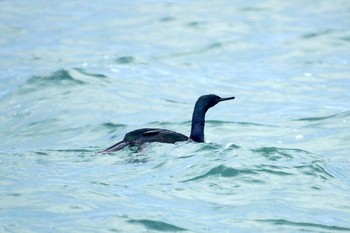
{"points": [[140, 136]]}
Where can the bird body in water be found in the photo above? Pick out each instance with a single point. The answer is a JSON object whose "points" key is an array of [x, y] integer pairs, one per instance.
{"points": [[140, 136]]}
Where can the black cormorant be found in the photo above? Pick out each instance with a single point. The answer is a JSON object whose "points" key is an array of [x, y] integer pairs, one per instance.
{"points": [[140, 136]]}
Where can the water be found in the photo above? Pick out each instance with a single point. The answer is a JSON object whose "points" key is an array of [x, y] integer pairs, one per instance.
{"points": [[76, 76]]}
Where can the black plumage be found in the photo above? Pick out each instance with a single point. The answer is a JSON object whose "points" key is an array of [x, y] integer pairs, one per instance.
{"points": [[140, 136]]}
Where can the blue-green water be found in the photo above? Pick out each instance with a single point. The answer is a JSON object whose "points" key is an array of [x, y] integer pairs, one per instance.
{"points": [[75, 76]]}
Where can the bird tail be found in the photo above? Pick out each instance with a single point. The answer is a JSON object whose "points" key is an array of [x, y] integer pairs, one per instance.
{"points": [[116, 147]]}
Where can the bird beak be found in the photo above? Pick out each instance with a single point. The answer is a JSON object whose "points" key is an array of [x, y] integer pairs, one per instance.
{"points": [[228, 98]]}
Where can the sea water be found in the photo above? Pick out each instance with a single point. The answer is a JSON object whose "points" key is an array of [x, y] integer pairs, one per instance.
{"points": [[75, 76]]}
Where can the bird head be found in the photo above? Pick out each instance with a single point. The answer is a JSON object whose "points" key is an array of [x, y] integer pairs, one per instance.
{"points": [[208, 101]]}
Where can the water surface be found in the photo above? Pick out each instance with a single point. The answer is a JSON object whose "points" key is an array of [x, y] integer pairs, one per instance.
{"points": [[76, 76]]}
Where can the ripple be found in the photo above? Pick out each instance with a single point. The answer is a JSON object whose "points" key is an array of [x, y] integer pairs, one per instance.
{"points": [[342, 114], [274, 170], [274, 153], [302, 161], [78, 150], [222, 171], [318, 34], [195, 24], [167, 19], [125, 60], [315, 169], [96, 75], [218, 45], [252, 9], [283, 222], [316, 118], [156, 225], [209, 147], [217, 122], [112, 126], [60, 77]]}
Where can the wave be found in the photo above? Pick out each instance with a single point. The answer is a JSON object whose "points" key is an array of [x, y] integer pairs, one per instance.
{"points": [[215, 46], [307, 163], [276, 153], [215, 123], [339, 115], [267, 162], [112, 126], [125, 60], [302, 225], [223, 171], [319, 33], [96, 75], [60, 77], [156, 225]]}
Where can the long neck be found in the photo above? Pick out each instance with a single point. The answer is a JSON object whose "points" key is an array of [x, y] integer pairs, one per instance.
{"points": [[198, 122]]}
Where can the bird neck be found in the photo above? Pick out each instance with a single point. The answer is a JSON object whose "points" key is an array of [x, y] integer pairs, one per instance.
{"points": [[198, 122]]}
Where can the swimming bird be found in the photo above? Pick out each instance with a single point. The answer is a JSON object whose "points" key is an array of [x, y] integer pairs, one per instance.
{"points": [[140, 136]]}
